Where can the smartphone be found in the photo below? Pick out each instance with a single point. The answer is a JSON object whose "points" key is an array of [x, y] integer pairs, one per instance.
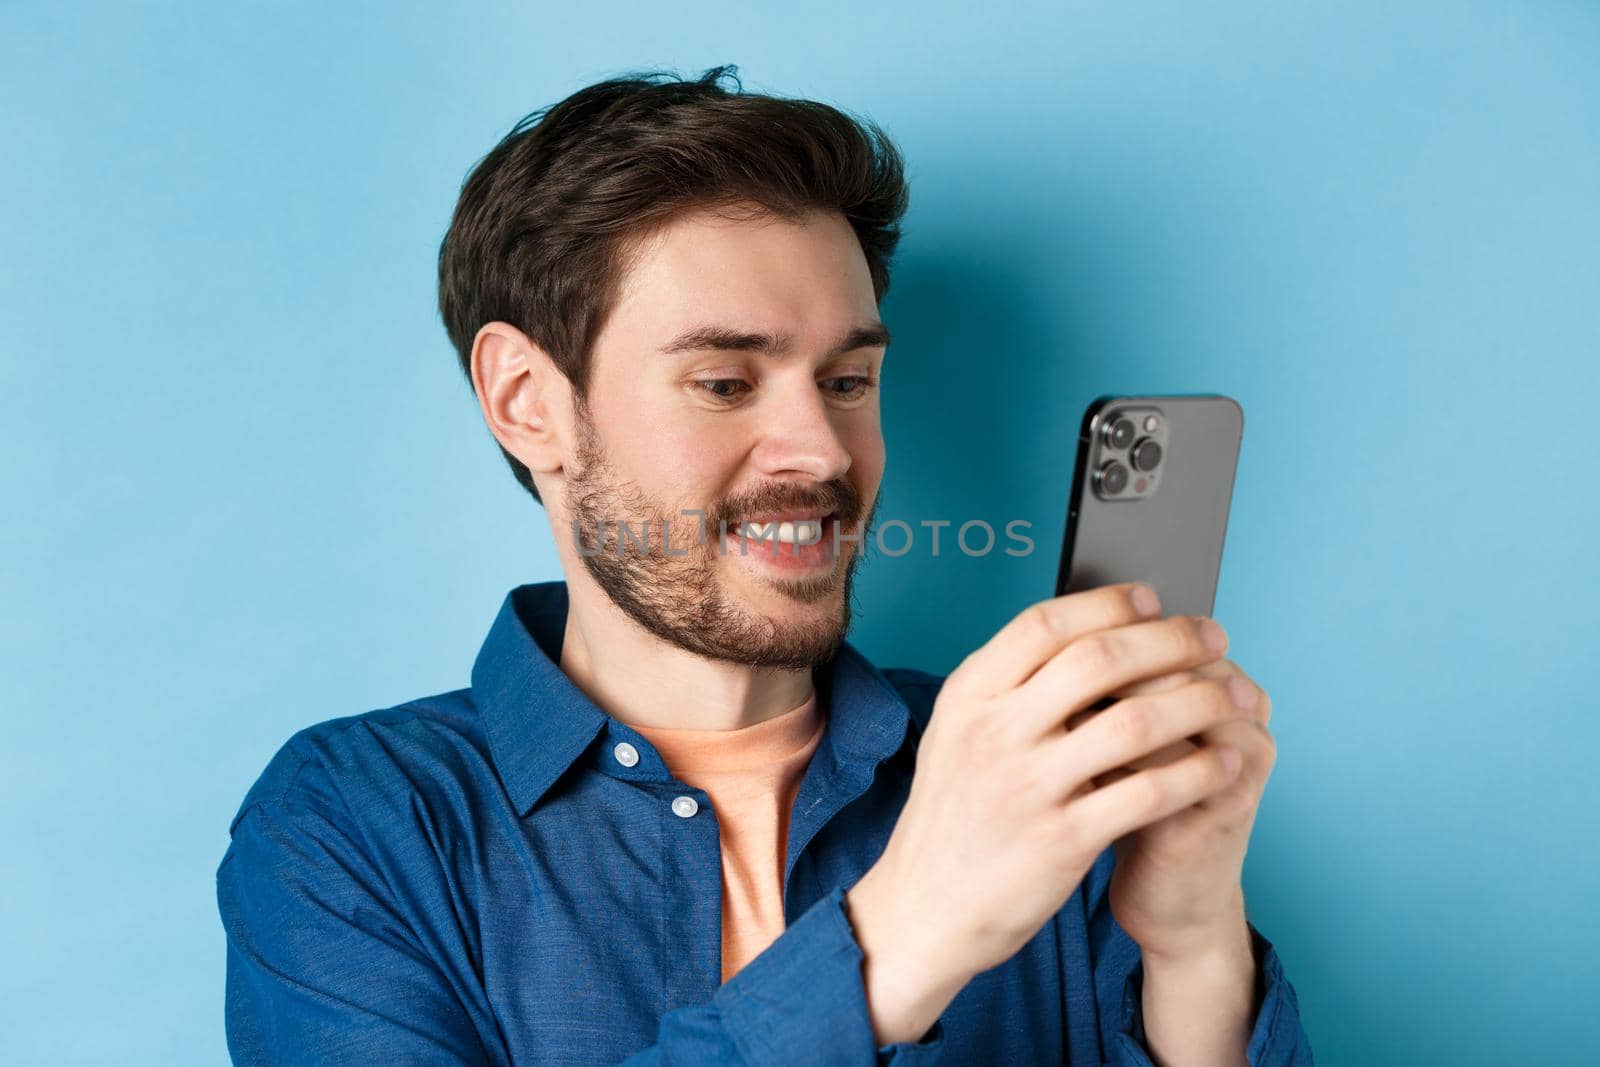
{"points": [[1151, 489]]}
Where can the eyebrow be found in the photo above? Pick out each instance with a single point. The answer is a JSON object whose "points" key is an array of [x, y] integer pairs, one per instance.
{"points": [[728, 339]]}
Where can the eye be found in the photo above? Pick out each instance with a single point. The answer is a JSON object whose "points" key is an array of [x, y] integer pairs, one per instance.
{"points": [[713, 387], [856, 385]]}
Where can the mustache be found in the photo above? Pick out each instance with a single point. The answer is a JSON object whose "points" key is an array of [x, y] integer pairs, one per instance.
{"points": [[833, 498]]}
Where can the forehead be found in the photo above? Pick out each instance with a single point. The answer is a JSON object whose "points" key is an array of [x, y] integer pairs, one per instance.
{"points": [[807, 276]]}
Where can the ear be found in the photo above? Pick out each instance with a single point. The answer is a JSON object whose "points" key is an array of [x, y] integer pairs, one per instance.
{"points": [[526, 400]]}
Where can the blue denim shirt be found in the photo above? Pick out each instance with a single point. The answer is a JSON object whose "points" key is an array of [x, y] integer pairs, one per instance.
{"points": [[474, 878]]}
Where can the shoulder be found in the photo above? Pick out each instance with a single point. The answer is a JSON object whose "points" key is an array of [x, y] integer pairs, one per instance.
{"points": [[917, 688], [340, 766]]}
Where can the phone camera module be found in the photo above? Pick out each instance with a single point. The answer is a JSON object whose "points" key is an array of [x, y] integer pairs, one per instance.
{"points": [[1146, 455], [1113, 478], [1120, 432]]}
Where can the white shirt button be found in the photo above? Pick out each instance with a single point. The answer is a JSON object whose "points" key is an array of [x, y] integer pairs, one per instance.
{"points": [[685, 807], [626, 754]]}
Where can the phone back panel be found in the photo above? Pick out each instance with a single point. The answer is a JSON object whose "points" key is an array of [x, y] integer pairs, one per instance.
{"points": [[1172, 536]]}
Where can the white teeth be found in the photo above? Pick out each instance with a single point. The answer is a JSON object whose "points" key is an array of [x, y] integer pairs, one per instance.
{"points": [[803, 531]]}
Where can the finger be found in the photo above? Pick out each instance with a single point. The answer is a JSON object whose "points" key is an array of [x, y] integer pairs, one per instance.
{"points": [[1160, 683], [1249, 736], [1255, 745], [1036, 634], [1101, 662], [1221, 668], [1159, 758], [1224, 667], [1099, 817], [1137, 727]]}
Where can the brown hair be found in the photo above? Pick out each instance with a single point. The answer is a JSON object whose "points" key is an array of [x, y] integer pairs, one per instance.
{"points": [[546, 222]]}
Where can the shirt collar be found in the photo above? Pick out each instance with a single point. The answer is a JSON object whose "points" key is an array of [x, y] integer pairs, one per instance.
{"points": [[539, 723]]}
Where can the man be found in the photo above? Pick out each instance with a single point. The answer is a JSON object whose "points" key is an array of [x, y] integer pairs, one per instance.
{"points": [[676, 818]]}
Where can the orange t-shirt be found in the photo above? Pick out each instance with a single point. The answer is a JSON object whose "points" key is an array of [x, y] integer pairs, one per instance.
{"points": [[751, 776]]}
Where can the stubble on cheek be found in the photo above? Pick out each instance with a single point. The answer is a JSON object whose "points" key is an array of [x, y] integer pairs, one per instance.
{"points": [[675, 584]]}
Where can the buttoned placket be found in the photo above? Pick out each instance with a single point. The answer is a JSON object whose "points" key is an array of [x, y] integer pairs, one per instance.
{"points": [[690, 871], [684, 805]]}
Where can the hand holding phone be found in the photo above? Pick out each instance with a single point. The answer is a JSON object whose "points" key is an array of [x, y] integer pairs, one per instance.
{"points": [[1150, 496], [1032, 806]]}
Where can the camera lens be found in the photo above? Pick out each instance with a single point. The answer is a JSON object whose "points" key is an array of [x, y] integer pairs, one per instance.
{"points": [[1113, 478], [1120, 432], [1146, 454]]}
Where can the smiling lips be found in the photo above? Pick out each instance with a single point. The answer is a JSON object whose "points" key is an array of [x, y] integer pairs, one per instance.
{"points": [[792, 543], [802, 530]]}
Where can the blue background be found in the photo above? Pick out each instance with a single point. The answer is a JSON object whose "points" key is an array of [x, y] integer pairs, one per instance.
{"points": [[246, 488]]}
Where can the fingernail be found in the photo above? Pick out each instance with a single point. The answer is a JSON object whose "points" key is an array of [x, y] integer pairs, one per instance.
{"points": [[1214, 636], [1145, 601], [1242, 693], [1231, 759]]}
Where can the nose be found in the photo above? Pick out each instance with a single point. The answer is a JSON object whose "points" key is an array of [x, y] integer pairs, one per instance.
{"points": [[799, 436]]}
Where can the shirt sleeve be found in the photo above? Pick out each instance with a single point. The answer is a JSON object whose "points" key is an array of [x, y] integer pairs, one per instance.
{"points": [[1277, 1038], [802, 1001], [320, 968]]}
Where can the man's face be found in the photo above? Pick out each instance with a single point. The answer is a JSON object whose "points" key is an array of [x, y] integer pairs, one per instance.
{"points": [[735, 434]]}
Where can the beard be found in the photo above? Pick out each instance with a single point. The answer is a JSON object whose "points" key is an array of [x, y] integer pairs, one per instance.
{"points": [[682, 598]]}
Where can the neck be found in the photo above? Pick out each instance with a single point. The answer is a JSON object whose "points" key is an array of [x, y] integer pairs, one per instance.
{"points": [[642, 680]]}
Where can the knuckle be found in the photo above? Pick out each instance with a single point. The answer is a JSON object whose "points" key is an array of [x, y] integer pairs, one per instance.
{"points": [[1094, 654], [1219, 700], [960, 700], [1252, 779], [1040, 619], [1117, 604], [1133, 725], [1181, 679], [966, 681], [953, 700], [1146, 794], [1183, 638], [955, 688]]}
